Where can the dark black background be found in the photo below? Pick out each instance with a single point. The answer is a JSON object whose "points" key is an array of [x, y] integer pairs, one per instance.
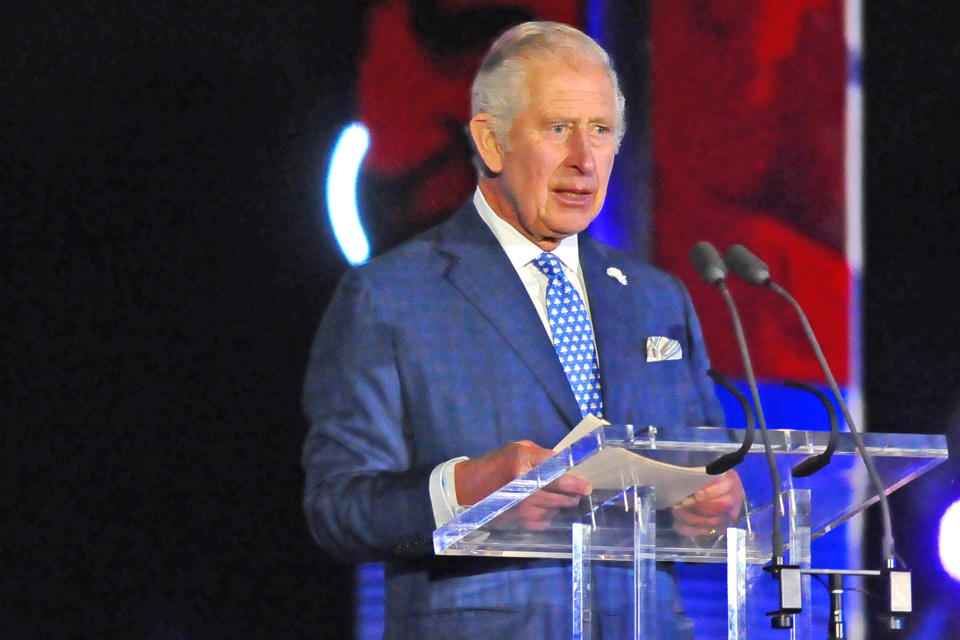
{"points": [[911, 315], [165, 264], [165, 259]]}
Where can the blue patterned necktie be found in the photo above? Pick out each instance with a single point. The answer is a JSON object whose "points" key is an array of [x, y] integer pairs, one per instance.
{"points": [[572, 335]]}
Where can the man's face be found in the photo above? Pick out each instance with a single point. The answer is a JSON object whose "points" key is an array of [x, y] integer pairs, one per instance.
{"points": [[553, 180]]}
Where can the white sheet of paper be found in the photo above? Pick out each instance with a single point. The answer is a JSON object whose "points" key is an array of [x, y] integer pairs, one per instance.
{"points": [[618, 469], [584, 427]]}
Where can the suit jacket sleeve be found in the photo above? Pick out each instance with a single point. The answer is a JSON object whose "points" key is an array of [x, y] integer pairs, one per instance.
{"points": [[362, 500]]}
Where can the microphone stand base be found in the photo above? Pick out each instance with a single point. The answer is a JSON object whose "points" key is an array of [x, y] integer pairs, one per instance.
{"points": [[781, 621]]}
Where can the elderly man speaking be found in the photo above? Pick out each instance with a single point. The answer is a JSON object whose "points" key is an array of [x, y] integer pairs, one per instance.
{"points": [[439, 372]]}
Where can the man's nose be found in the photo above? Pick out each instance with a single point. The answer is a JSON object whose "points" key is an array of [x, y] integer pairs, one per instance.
{"points": [[581, 151]]}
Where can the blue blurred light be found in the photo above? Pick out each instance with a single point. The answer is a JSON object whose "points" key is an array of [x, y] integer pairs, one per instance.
{"points": [[345, 162], [949, 534], [783, 408]]}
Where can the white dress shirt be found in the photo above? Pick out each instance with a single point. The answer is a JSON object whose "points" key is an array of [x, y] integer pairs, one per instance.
{"points": [[521, 252]]}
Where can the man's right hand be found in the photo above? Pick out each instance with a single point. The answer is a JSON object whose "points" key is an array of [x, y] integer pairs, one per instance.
{"points": [[479, 477]]}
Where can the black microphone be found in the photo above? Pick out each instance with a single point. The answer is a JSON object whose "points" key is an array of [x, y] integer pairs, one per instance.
{"points": [[729, 460], [711, 268], [746, 265], [708, 263], [749, 267], [811, 465]]}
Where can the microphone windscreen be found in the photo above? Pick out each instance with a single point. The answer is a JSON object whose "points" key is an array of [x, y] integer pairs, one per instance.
{"points": [[746, 265], [707, 261]]}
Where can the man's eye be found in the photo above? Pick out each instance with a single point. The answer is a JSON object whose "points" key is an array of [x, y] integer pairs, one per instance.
{"points": [[601, 129], [558, 128]]}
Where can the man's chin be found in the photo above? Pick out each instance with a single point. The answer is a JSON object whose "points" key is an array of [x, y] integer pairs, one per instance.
{"points": [[567, 223]]}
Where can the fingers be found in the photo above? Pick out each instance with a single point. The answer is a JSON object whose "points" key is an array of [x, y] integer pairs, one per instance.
{"points": [[695, 531], [570, 484], [690, 523], [553, 500], [710, 507], [536, 520], [691, 518], [723, 485], [539, 510], [723, 495], [714, 507]]}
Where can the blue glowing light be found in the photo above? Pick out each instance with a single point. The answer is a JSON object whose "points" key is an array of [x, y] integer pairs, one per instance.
{"points": [[342, 193], [949, 534]]}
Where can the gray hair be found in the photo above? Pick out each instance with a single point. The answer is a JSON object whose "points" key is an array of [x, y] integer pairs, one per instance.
{"points": [[499, 88]]}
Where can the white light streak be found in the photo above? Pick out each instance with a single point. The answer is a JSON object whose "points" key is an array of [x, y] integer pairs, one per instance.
{"points": [[949, 535], [345, 163]]}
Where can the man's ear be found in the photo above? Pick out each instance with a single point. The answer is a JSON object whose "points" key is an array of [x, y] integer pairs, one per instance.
{"points": [[486, 142]]}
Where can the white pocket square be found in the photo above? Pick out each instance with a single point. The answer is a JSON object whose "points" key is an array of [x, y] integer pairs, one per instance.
{"points": [[662, 348]]}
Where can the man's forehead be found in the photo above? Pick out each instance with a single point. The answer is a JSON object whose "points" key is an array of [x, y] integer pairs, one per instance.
{"points": [[555, 71], [556, 88]]}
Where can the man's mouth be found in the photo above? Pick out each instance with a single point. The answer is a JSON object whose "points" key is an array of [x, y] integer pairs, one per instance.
{"points": [[577, 196]]}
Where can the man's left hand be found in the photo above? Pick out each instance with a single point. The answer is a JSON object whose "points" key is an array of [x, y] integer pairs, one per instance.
{"points": [[711, 509]]}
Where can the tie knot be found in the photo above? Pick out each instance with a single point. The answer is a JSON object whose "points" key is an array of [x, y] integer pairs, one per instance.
{"points": [[548, 264]]}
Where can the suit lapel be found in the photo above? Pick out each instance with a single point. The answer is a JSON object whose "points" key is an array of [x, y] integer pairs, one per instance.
{"points": [[614, 312], [482, 272]]}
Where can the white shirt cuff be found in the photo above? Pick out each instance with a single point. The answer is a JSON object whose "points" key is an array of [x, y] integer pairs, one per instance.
{"points": [[443, 492]]}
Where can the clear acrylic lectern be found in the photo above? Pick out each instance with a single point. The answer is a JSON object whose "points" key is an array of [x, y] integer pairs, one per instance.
{"points": [[627, 520]]}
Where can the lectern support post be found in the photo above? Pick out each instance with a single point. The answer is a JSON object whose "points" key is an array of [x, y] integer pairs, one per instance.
{"points": [[644, 563], [582, 576], [736, 584], [644, 569]]}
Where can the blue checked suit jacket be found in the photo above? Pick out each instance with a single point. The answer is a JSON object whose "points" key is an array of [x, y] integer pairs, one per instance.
{"points": [[433, 351]]}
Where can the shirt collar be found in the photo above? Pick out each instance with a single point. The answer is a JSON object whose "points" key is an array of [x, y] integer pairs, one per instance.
{"points": [[519, 249]]}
